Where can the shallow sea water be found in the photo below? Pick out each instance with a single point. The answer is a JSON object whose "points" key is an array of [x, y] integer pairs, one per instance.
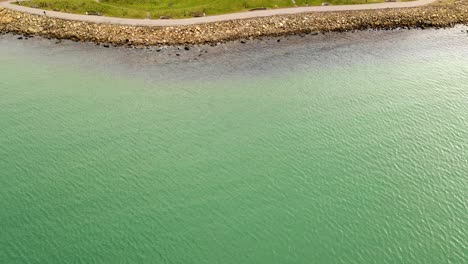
{"points": [[337, 148]]}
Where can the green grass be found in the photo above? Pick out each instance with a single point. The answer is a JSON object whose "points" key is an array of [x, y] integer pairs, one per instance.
{"points": [[172, 8]]}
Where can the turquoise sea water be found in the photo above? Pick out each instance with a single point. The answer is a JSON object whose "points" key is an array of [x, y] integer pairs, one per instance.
{"points": [[348, 148]]}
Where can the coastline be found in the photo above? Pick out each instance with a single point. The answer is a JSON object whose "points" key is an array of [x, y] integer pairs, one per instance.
{"points": [[437, 15], [214, 18]]}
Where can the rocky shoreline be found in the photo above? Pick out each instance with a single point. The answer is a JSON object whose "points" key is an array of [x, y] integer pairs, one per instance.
{"points": [[438, 15]]}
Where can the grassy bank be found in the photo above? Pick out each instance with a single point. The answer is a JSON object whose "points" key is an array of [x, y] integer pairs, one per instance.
{"points": [[172, 8]]}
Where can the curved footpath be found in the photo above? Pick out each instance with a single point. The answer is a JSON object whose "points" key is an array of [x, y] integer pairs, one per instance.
{"points": [[116, 31], [211, 19]]}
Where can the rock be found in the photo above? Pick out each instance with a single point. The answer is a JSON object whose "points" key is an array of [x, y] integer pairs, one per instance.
{"points": [[7, 19], [20, 37], [93, 13], [258, 9], [32, 30], [444, 14], [197, 14], [186, 48], [164, 17]]}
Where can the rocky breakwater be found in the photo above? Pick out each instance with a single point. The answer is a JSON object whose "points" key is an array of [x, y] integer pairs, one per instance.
{"points": [[440, 14]]}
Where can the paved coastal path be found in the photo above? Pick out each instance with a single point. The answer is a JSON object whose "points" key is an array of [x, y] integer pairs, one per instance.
{"points": [[218, 18]]}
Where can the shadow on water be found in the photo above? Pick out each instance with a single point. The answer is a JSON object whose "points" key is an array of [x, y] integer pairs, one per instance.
{"points": [[253, 58]]}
